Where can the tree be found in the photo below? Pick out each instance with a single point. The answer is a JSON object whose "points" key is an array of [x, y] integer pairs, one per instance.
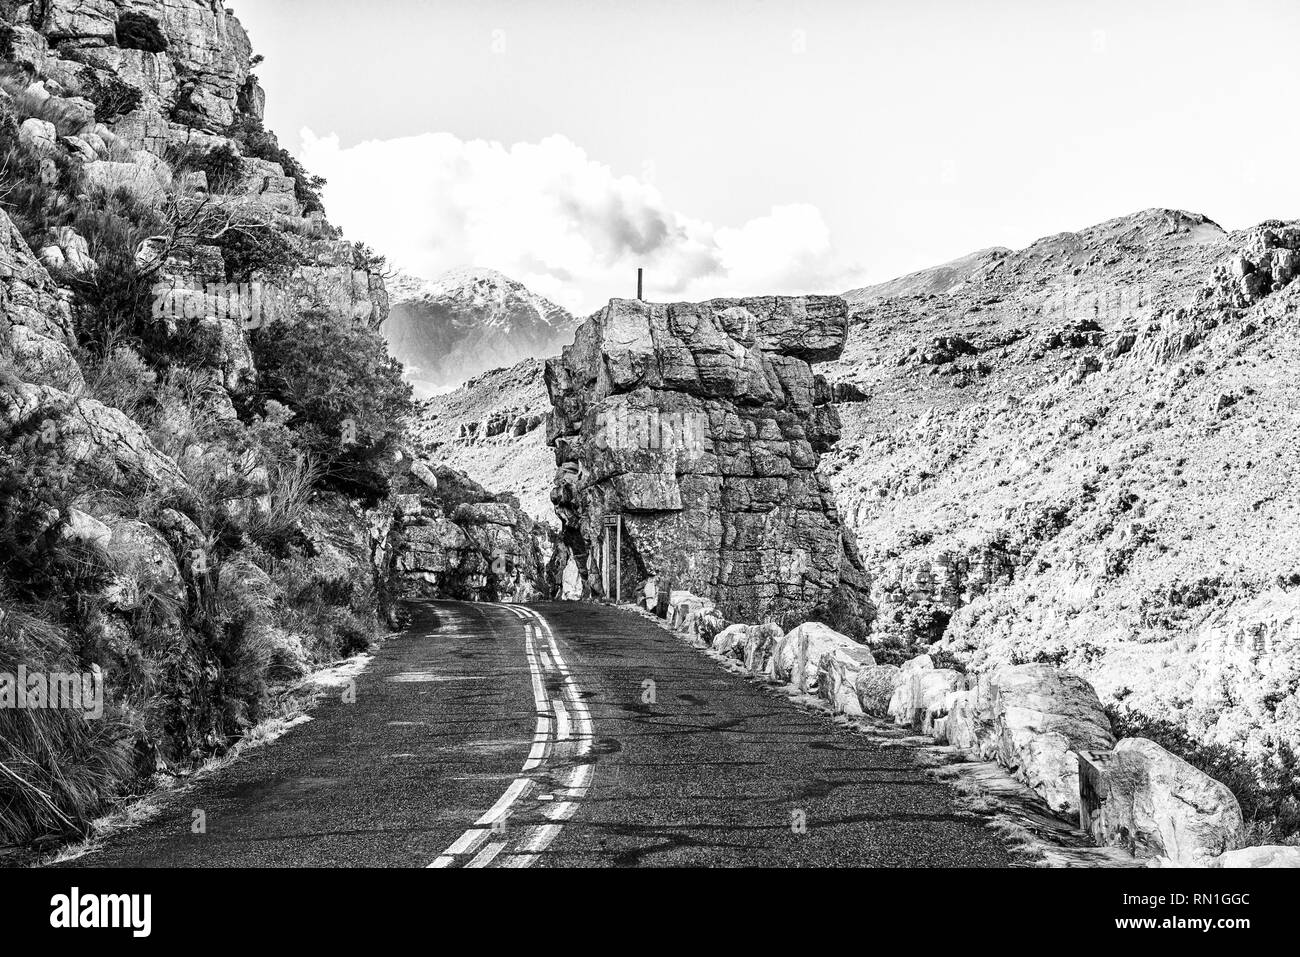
{"points": [[347, 394]]}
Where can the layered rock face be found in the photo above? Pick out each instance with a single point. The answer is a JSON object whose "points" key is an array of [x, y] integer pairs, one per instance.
{"points": [[701, 427], [135, 90], [451, 538], [493, 429]]}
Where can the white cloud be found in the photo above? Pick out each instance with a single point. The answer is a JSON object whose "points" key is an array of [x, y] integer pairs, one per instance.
{"points": [[561, 223]]}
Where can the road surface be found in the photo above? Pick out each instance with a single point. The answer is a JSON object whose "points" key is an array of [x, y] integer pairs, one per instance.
{"points": [[559, 735]]}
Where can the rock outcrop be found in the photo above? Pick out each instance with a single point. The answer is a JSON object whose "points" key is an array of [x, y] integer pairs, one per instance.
{"points": [[798, 658], [451, 538], [493, 428], [1141, 797], [700, 428]]}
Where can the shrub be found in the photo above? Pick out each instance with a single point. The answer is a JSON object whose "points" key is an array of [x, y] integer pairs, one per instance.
{"points": [[139, 31], [251, 250], [222, 165], [120, 379], [111, 97], [34, 205], [292, 483], [347, 394], [363, 257], [116, 300]]}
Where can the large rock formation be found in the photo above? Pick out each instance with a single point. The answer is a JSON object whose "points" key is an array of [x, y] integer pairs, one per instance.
{"points": [[451, 538], [701, 426]]}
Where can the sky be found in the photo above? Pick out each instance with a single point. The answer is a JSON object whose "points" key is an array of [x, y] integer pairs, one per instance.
{"points": [[771, 146]]}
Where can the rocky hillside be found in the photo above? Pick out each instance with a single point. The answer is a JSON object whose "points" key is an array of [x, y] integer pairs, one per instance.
{"points": [[468, 322], [1084, 453], [493, 429], [206, 483]]}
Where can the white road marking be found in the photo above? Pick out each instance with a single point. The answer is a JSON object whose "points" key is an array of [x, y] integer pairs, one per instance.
{"points": [[564, 732], [485, 857]]}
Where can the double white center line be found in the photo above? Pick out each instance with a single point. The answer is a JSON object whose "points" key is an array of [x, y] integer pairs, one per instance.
{"points": [[556, 775]]}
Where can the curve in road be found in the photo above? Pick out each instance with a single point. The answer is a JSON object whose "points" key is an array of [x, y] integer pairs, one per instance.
{"points": [[560, 734]]}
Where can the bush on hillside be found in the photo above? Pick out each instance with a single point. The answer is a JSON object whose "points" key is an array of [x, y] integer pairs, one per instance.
{"points": [[139, 31], [347, 394], [34, 205], [110, 96], [222, 165]]}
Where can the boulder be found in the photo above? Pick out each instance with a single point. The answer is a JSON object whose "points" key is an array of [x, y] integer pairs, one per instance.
{"points": [[424, 475], [961, 727], [691, 615], [731, 641], [736, 641], [73, 248], [760, 643], [84, 430], [39, 135], [875, 686], [1141, 797], [1272, 856], [1041, 719], [837, 674], [919, 697], [86, 529], [39, 358], [143, 555], [914, 666], [799, 653]]}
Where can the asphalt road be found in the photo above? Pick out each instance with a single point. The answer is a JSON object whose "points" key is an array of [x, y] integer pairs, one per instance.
{"points": [[559, 735]]}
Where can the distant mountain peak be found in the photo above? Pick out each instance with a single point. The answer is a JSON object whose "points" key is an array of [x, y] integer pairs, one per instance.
{"points": [[467, 321]]}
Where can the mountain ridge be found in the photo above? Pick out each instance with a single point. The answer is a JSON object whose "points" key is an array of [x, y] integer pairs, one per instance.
{"points": [[466, 322]]}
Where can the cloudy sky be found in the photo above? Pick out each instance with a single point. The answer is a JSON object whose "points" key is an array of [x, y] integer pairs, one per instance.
{"points": [[743, 147]]}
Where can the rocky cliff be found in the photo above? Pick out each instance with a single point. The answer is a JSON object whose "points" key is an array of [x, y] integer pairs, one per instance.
{"points": [[701, 427], [200, 429]]}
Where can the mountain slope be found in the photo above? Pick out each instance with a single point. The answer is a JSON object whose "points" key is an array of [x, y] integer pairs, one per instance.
{"points": [[936, 279], [1086, 454], [493, 429], [467, 322]]}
